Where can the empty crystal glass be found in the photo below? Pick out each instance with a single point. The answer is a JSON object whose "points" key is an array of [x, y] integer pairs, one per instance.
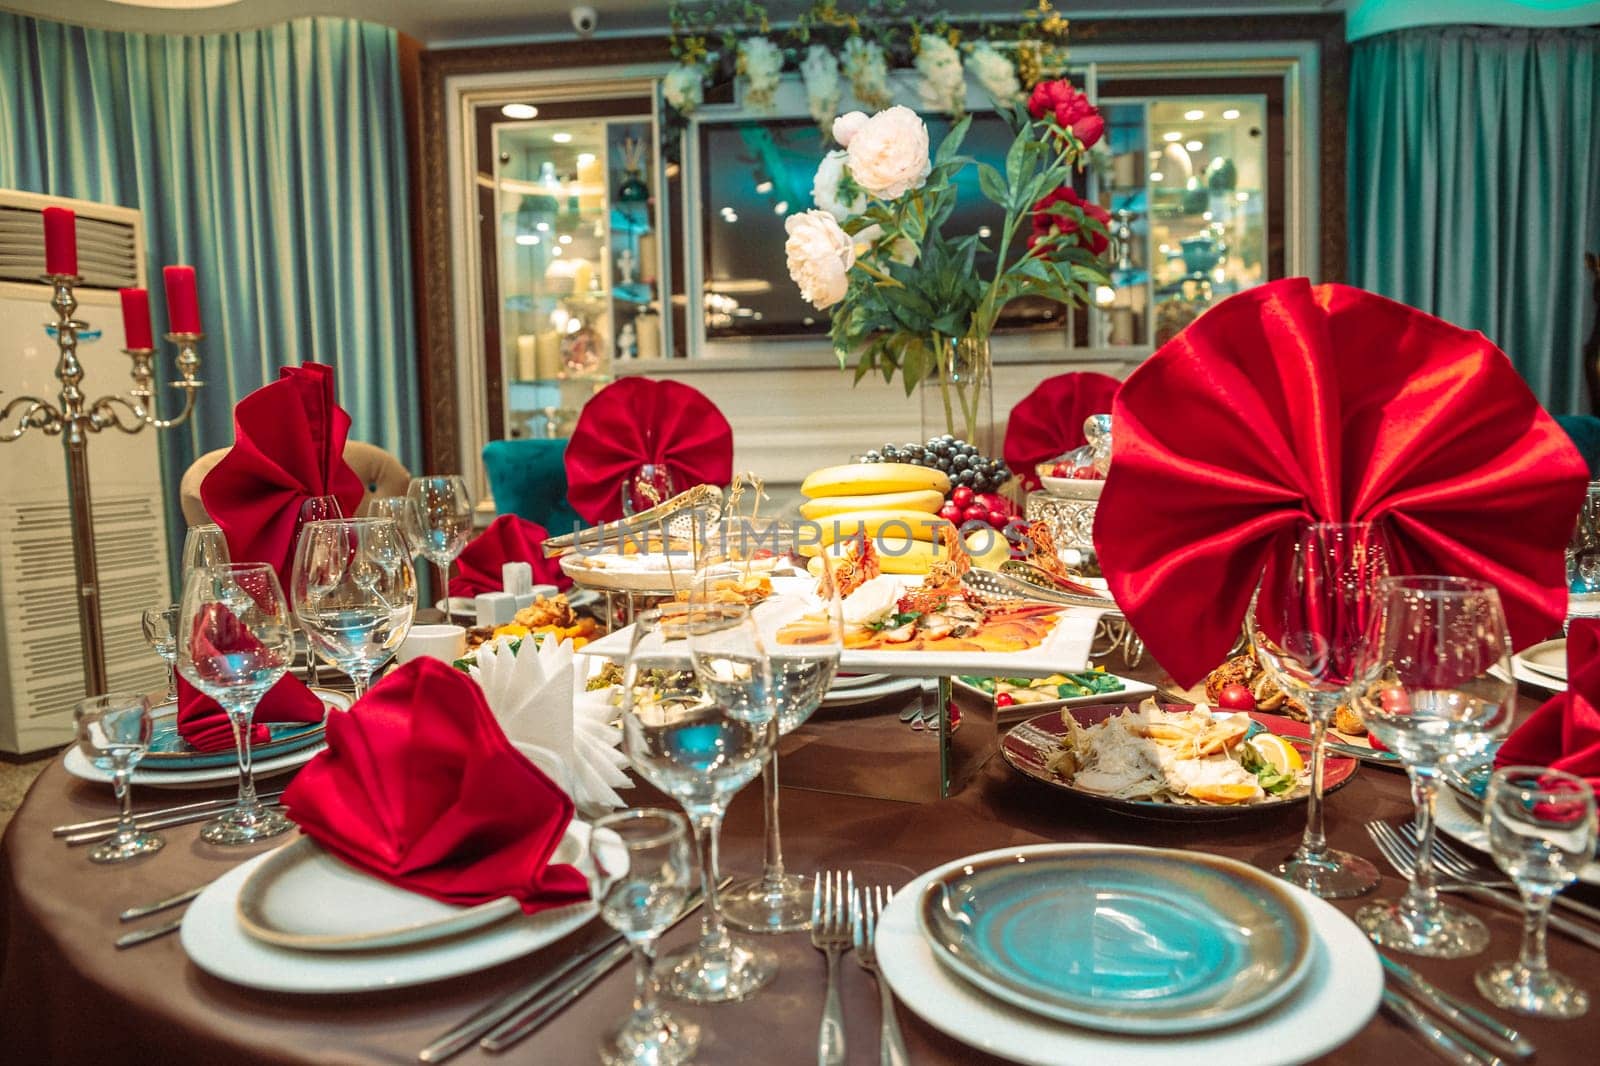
{"points": [[160, 625], [115, 730], [1541, 825], [1583, 560], [443, 512], [645, 488], [354, 593], [204, 545], [404, 515]]}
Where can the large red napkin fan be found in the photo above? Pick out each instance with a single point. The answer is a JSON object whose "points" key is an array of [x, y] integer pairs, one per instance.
{"points": [[420, 787], [1564, 733], [288, 445], [636, 421], [509, 539], [1049, 420], [1290, 401]]}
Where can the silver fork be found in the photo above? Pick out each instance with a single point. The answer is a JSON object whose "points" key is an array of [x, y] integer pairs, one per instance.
{"points": [[865, 907], [830, 934], [1463, 868], [1403, 857]]}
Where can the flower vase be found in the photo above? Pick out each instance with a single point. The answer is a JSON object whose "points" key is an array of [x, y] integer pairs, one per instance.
{"points": [[958, 393]]}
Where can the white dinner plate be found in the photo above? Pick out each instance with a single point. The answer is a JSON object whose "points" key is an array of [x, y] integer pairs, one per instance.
{"points": [[1332, 1004], [1521, 671], [215, 942], [852, 697], [1454, 819], [1548, 658], [844, 681]]}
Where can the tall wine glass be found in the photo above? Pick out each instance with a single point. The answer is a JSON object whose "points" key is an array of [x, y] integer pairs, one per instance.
{"points": [[315, 509], [235, 641], [160, 627], [738, 555], [116, 729], [646, 487], [400, 510], [204, 545], [1583, 560], [1306, 626], [354, 593], [700, 735], [1438, 688], [444, 522], [643, 876], [1541, 826]]}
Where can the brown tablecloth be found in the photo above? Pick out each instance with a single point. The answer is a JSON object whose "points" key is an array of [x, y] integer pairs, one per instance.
{"points": [[67, 996]]}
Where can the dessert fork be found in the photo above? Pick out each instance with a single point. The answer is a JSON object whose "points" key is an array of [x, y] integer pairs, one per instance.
{"points": [[1462, 868], [865, 907], [830, 934]]}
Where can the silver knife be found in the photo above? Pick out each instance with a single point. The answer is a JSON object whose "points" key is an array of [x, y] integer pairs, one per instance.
{"points": [[1470, 1020], [145, 909], [96, 835], [1458, 1049], [1583, 934], [140, 936], [160, 812]]}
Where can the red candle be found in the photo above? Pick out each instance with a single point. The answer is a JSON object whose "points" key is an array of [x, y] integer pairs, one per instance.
{"points": [[136, 319], [60, 241], [183, 302]]}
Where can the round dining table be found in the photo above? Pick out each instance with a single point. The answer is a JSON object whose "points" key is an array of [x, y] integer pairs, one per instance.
{"points": [[67, 995]]}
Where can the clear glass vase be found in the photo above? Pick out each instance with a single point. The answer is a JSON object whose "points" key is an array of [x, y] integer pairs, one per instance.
{"points": [[958, 393]]}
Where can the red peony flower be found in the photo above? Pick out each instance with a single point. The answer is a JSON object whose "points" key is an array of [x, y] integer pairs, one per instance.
{"points": [[1071, 108], [1048, 224]]}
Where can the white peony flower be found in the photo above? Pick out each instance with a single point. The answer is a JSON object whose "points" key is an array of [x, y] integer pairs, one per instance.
{"points": [[825, 187], [847, 126], [532, 694], [820, 255], [684, 87], [820, 70], [760, 61], [889, 154], [995, 72], [864, 64], [944, 87]]}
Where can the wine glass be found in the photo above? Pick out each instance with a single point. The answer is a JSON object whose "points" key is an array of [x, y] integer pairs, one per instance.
{"points": [[646, 487], [204, 545], [160, 625], [444, 522], [1583, 560], [1541, 826], [1437, 689], [643, 875], [354, 593], [738, 555], [404, 515], [1306, 626], [315, 509], [115, 729], [235, 641], [700, 735]]}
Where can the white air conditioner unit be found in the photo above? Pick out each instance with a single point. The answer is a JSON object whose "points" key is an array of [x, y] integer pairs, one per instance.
{"points": [[41, 661]]}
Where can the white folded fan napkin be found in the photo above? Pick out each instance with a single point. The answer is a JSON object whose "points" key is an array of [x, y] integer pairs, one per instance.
{"points": [[532, 694]]}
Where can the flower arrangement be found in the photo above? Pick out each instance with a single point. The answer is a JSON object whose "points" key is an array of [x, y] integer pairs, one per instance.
{"points": [[906, 297]]}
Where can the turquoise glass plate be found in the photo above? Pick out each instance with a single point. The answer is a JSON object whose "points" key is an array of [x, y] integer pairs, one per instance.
{"points": [[169, 751], [1122, 939]]}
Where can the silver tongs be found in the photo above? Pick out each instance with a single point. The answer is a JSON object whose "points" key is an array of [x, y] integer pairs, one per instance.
{"points": [[643, 522], [994, 589]]}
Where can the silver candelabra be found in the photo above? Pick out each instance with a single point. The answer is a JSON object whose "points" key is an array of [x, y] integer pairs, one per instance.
{"points": [[73, 418]]}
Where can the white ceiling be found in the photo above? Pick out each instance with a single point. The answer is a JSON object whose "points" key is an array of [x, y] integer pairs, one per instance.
{"points": [[440, 22]]}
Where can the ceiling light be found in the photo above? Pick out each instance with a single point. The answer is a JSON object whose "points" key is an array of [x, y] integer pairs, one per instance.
{"points": [[1165, 249], [585, 158], [730, 216], [542, 227], [1206, 215], [1194, 116], [561, 138], [527, 239], [1194, 146], [555, 251], [764, 186], [1231, 114], [781, 207], [521, 111], [1156, 175], [1241, 196], [565, 238], [1105, 295], [1172, 135]]}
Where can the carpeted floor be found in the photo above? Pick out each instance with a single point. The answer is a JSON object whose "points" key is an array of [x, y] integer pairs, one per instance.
{"points": [[15, 779]]}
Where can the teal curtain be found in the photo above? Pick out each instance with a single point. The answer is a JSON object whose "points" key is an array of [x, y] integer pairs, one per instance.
{"points": [[1475, 186], [273, 160]]}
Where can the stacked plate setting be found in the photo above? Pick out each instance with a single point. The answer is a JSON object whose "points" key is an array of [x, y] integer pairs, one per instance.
{"points": [[1543, 665], [1085, 953]]}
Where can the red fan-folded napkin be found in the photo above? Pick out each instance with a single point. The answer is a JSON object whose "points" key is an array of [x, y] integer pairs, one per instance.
{"points": [[1049, 420], [201, 720], [419, 786], [288, 445], [1564, 733], [509, 539], [636, 421], [1290, 401]]}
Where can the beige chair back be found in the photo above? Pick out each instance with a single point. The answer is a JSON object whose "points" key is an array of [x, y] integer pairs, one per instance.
{"points": [[379, 471]]}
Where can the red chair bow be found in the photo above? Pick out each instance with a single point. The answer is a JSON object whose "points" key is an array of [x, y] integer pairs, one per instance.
{"points": [[1049, 420]]}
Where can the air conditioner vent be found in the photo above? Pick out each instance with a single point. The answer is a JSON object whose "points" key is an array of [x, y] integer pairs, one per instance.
{"points": [[106, 249]]}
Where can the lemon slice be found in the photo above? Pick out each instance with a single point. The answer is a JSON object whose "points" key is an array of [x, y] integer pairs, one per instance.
{"points": [[1277, 752]]}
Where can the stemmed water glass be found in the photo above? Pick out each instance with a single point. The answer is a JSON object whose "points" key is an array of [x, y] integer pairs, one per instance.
{"points": [[739, 550], [700, 735], [354, 593], [235, 641], [400, 510], [204, 545], [115, 729], [1541, 826], [1306, 627], [160, 626], [315, 509], [1583, 560], [646, 487], [444, 522], [1437, 689], [643, 875]]}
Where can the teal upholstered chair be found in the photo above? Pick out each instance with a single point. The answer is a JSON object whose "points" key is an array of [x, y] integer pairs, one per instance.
{"points": [[1585, 433], [529, 479]]}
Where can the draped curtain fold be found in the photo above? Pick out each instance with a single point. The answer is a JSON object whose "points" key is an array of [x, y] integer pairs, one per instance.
{"points": [[1475, 186], [273, 160]]}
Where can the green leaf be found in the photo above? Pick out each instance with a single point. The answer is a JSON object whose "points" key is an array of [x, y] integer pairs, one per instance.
{"points": [[1016, 157], [952, 140], [993, 185]]}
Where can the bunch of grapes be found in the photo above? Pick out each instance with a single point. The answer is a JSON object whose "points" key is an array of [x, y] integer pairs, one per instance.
{"points": [[953, 456]]}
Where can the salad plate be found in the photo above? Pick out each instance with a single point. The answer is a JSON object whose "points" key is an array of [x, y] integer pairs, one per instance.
{"points": [[1029, 746], [1130, 940], [1337, 997], [169, 751]]}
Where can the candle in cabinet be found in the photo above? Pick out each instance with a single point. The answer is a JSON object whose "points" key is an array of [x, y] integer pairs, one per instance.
{"points": [[647, 258], [547, 355], [526, 364], [136, 330], [648, 325], [591, 184], [183, 299], [60, 241]]}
